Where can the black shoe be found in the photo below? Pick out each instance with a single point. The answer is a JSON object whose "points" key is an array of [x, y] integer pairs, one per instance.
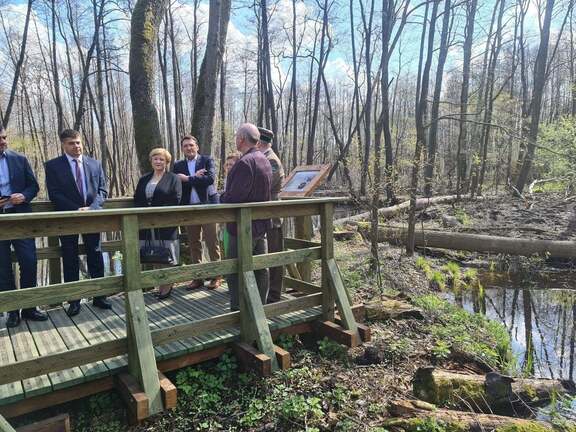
{"points": [[34, 315], [102, 303], [73, 309], [13, 319]]}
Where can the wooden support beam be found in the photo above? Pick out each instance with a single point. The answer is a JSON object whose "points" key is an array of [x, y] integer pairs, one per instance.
{"points": [[305, 231], [134, 397], [363, 330], [302, 286], [293, 271], [338, 334], [348, 320], [141, 357], [252, 359], [326, 233], [169, 392], [60, 423], [283, 358], [253, 323]]}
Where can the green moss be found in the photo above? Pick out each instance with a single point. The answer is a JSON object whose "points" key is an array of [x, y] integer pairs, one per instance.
{"points": [[427, 424], [467, 332], [523, 427]]}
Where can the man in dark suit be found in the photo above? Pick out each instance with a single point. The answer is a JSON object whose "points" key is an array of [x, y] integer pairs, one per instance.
{"points": [[18, 187], [77, 182], [197, 174]]}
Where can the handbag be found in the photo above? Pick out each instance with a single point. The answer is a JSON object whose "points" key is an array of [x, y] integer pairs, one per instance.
{"points": [[156, 254]]}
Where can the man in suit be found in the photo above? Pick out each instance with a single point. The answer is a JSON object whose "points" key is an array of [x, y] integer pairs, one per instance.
{"points": [[197, 174], [249, 180], [77, 182], [18, 187], [274, 234]]}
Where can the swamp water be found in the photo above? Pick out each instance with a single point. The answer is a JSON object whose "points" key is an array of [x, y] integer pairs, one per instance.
{"points": [[540, 316]]}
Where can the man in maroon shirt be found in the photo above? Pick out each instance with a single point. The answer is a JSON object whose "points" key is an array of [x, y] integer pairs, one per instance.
{"points": [[248, 181]]}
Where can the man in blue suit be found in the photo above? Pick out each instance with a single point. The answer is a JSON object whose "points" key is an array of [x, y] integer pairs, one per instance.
{"points": [[18, 187], [197, 174], [77, 182]]}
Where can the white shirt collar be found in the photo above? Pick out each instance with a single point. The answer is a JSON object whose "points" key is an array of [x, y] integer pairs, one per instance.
{"points": [[70, 158]]}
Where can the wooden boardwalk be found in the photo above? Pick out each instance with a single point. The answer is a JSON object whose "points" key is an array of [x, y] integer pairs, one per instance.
{"points": [[93, 326]]}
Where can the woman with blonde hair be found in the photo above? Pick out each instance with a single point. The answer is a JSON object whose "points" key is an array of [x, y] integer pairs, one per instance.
{"points": [[159, 246]]}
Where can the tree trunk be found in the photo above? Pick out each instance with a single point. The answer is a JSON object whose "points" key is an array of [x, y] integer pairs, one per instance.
{"points": [[481, 243], [409, 412], [461, 152], [18, 67], [146, 19], [490, 393], [205, 100], [537, 94], [435, 109]]}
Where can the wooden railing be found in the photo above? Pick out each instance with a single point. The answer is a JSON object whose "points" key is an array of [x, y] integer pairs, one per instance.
{"points": [[140, 340]]}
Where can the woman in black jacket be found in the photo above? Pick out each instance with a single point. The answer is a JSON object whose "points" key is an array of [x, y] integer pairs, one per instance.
{"points": [[156, 189]]}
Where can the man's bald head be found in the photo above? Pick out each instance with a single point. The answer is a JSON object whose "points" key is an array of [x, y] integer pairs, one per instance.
{"points": [[247, 136]]}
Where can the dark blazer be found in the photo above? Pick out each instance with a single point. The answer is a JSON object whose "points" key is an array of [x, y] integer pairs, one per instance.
{"points": [[62, 188], [168, 192], [22, 179], [249, 180], [200, 183]]}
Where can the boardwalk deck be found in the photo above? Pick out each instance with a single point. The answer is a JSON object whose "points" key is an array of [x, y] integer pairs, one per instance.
{"points": [[93, 326]]}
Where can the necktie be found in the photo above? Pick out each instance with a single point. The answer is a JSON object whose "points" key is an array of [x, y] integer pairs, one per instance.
{"points": [[79, 179]]}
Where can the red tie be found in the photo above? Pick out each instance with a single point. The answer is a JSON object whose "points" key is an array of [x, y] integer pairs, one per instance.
{"points": [[79, 179]]}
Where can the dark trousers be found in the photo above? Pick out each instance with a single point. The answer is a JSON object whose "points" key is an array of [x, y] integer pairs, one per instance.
{"points": [[259, 247], [71, 257], [275, 244], [26, 254]]}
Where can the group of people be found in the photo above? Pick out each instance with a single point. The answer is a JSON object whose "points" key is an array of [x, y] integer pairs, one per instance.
{"points": [[75, 181]]}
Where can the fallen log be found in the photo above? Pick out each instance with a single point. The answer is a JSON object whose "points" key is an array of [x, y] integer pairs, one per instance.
{"points": [[390, 212], [411, 414], [490, 393], [388, 308], [477, 243]]}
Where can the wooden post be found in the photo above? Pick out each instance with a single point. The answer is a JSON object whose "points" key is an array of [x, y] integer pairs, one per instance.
{"points": [[253, 323], [141, 359], [326, 233], [5, 426], [54, 269], [304, 230]]}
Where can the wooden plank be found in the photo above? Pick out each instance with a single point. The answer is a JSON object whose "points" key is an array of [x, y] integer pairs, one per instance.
{"points": [[252, 359], [304, 230], [48, 341], [293, 271], [283, 358], [71, 223], [152, 278], [31, 297], [169, 392], [326, 233], [101, 339], [57, 397], [74, 339], [141, 359], [302, 286], [296, 243], [53, 253], [24, 349], [338, 334], [348, 320], [60, 423], [12, 390], [5, 426], [171, 318], [134, 397]]}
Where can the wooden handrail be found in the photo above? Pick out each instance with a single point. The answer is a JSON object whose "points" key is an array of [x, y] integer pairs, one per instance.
{"points": [[140, 340]]}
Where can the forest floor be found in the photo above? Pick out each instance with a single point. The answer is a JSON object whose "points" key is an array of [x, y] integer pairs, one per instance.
{"points": [[329, 388]]}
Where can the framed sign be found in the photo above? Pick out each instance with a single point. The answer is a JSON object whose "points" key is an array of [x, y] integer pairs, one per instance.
{"points": [[304, 180]]}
